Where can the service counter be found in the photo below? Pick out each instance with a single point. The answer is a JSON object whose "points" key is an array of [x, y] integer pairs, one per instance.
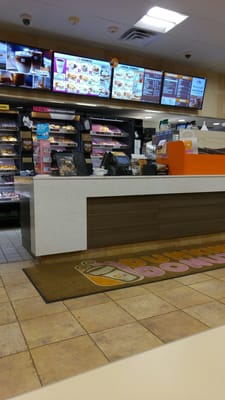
{"points": [[69, 214]]}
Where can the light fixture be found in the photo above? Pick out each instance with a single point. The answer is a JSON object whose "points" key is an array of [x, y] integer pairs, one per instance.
{"points": [[181, 120], [74, 20], [87, 104], [160, 20], [148, 117], [216, 123], [153, 111], [112, 29]]}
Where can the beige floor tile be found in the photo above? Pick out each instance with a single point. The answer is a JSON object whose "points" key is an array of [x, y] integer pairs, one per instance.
{"points": [[146, 306], [7, 314], [214, 288], [15, 266], [124, 341], [50, 328], [3, 295], [127, 292], [86, 301], [27, 309], [173, 326], [63, 359], [102, 316], [167, 284], [11, 339], [194, 278], [211, 314], [183, 297], [217, 273], [21, 291], [14, 278], [17, 375]]}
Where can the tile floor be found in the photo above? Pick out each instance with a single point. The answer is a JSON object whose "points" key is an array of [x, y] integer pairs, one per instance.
{"points": [[43, 343]]}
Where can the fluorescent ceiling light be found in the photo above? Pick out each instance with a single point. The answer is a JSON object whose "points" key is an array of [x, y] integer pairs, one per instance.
{"points": [[147, 117], [181, 120], [216, 123], [160, 20]]}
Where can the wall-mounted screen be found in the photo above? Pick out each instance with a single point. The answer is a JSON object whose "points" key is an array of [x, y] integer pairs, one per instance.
{"points": [[183, 91], [137, 84], [81, 75], [24, 66]]}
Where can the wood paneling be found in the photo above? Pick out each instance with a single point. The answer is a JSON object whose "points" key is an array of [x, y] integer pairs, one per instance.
{"points": [[133, 219]]}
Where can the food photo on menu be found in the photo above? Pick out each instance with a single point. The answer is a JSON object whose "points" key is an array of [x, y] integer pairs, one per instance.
{"points": [[24, 66], [79, 75], [127, 82]]}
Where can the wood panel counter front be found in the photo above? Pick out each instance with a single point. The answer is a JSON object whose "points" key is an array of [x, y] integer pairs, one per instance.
{"points": [[69, 214]]}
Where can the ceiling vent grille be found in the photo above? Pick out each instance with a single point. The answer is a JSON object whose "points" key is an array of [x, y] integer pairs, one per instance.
{"points": [[136, 34]]}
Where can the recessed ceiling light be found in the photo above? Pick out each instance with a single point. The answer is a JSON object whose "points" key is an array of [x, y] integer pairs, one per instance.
{"points": [[181, 120], [147, 117], [112, 29], [160, 20], [74, 20], [216, 123]]}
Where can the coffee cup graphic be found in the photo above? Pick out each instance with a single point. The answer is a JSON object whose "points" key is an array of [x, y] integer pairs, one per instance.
{"points": [[60, 65], [18, 79], [36, 59], [23, 61]]}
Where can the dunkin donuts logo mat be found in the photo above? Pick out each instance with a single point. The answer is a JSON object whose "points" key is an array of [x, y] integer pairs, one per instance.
{"points": [[157, 266]]}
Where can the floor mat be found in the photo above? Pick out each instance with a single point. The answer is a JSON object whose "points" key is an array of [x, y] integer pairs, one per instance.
{"points": [[63, 280]]}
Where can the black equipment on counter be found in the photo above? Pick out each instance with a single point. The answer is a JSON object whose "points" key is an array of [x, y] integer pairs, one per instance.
{"points": [[116, 162]]}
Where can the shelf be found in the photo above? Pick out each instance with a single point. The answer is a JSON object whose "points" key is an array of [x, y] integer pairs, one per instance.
{"points": [[9, 130], [109, 134]]}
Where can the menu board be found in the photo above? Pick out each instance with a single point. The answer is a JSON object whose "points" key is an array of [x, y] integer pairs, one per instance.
{"points": [[137, 84], [24, 66], [183, 91], [79, 75]]}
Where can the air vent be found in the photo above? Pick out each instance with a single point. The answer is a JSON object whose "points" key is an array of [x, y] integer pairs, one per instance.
{"points": [[138, 35]]}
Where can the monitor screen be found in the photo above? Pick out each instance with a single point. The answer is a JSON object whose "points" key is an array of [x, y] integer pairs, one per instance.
{"points": [[24, 66], [137, 84], [81, 75], [183, 91]]}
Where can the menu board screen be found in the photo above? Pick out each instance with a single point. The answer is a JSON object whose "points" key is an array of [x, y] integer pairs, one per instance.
{"points": [[81, 75], [137, 84], [183, 91], [24, 66]]}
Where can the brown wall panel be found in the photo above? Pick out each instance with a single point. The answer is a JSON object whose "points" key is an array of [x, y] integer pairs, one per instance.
{"points": [[130, 219]]}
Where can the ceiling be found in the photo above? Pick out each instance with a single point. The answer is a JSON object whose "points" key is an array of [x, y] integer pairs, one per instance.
{"points": [[201, 35]]}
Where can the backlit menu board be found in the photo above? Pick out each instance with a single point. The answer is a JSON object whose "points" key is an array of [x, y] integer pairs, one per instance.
{"points": [[183, 91], [81, 75], [24, 66], [137, 84]]}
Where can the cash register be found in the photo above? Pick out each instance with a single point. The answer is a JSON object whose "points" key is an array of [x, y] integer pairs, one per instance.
{"points": [[116, 163]]}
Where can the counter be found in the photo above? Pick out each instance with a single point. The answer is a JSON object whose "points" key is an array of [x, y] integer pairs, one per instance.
{"points": [[68, 214]]}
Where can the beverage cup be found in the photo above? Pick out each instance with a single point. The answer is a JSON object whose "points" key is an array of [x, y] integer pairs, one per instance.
{"points": [[36, 60], [18, 79], [23, 61], [60, 65]]}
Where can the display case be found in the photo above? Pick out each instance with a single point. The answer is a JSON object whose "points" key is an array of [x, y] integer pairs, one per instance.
{"points": [[10, 152], [110, 134], [63, 132], [10, 164]]}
